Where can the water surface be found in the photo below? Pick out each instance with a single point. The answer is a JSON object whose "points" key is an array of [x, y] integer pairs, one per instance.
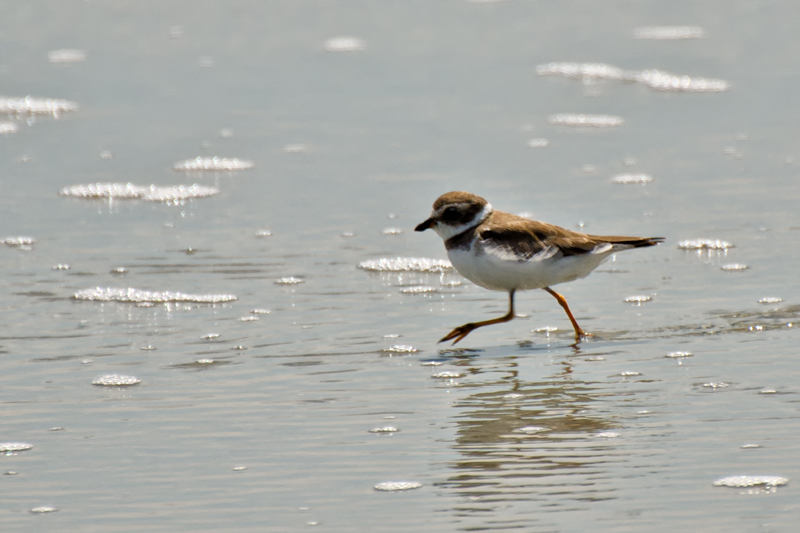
{"points": [[256, 412]]}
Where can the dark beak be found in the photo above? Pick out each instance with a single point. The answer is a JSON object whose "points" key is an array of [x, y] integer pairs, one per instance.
{"points": [[425, 225]]}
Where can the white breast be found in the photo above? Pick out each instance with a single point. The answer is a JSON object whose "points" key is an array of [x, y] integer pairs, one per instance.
{"points": [[503, 272]]}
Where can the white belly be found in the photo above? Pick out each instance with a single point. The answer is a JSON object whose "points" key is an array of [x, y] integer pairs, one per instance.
{"points": [[502, 274]]}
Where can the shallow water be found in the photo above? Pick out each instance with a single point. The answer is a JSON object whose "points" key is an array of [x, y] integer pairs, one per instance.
{"points": [[314, 394]]}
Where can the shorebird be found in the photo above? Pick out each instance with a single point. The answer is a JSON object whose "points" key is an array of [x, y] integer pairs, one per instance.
{"points": [[504, 252]]}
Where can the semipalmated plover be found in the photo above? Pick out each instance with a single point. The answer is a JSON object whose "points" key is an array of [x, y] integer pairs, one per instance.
{"points": [[504, 252]]}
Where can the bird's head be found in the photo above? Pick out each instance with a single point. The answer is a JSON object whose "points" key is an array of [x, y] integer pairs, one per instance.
{"points": [[455, 212]]}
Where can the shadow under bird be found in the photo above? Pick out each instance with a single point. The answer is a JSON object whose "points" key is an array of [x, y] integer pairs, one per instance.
{"points": [[504, 252]]}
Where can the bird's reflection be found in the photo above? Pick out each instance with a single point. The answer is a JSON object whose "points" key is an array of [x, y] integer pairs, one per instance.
{"points": [[546, 441]]}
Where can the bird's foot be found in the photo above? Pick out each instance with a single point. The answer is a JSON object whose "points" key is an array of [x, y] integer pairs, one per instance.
{"points": [[459, 333]]}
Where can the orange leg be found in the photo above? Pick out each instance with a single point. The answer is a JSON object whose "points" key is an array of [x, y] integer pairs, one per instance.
{"points": [[579, 333], [462, 331]]}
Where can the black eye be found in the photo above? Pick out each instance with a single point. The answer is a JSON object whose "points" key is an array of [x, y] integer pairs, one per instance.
{"points": [[451, 213]]}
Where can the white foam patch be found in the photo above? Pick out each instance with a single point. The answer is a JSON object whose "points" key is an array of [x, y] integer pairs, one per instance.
{"points": [[11, 447], [638, 300], [398, 485], [36, 106], [581, 120], [734, 267], [213, 163], [538, 142], [400, 348], [66, 55], [664, 81], [290, 280], [530, 430], [420, 289], [113, 294], [655, 79], [668, 33], [750, 481], [18, 241], [678, 355], [344, 44], [447, 374], [632, 179], [44, 509], [406, 264], [8, 127], [384, 429], [704, 244], [129, 191], [116, 380], [583, 71]]}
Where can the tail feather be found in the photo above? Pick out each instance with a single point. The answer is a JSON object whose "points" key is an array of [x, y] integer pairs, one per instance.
{"points": [[635, 242]]}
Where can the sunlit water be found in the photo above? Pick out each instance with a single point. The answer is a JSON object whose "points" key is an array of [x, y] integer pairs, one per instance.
{"points": [[250, 344]]}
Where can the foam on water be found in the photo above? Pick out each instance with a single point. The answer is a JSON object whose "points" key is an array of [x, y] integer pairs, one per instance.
{"points": [[538, 143], [18, 241], [421, 289], [750, 481], [734, 267], [289, 280], [632, 179], [392, 231], [11, 447], [8, 127], [582, 71], [664, 81], [704, 244], [447, 374], [116, 380], [114, 294], [530, 430], [43, 509], [129, 191], [653, 78], [770, 300], [296, 148], [638, 300], [398, 485], [213, 163], [344, 44], [678, 355], [36, 106], [581, 120], [400, 348], [66, 55], [384, 429], [668, 33], [406, 264]]}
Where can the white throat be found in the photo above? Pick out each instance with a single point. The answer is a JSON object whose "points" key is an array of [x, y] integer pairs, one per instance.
{"points": [[447, 231]]}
